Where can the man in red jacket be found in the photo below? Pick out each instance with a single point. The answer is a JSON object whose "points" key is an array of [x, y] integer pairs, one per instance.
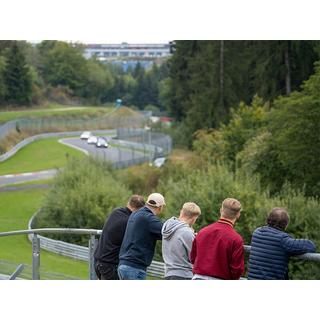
{"points": [[217, 251]]}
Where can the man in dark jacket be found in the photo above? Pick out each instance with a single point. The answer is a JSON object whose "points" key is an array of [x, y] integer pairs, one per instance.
{"points": [[271, 248], [143, 230], [107, 252]]}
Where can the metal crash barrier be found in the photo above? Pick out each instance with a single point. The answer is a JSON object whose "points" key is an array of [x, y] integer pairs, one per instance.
{"points": [[156, 269]]}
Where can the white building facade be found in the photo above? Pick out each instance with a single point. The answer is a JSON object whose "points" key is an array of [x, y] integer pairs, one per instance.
{"points": [[105, 52]]}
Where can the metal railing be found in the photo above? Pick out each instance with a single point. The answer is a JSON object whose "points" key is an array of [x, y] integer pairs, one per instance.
{"points": [[92, 233], [141, 150], [147, 137], [109, 121], [155, 269]]}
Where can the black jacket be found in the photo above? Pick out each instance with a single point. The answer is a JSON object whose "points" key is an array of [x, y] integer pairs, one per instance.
{"points": [[111, 238], [270, 252], [143, 230]]}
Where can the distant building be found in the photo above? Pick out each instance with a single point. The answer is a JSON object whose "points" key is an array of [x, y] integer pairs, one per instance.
{"points": [[110, 52]]}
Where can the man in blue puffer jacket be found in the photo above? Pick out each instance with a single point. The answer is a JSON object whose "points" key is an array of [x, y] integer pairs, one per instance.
{"points": [[271, 248]]}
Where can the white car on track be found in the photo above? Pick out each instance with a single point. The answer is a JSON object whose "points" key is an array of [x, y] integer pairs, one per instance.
{"points": [[92, 140], [85, 135], [102, 143]]}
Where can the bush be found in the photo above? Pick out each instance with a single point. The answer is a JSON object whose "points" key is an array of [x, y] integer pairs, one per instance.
{"points": [[260, 157], [224, 143], [208, 187], [83, 194], [142, 179]]}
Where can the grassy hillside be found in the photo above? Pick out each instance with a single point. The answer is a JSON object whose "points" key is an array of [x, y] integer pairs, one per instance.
{"points": [[39, 155], [16, 208], [54, 110]]}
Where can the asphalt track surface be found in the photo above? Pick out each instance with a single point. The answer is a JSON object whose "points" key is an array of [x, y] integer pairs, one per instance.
{"points": [[25, 177], [111, 154]]}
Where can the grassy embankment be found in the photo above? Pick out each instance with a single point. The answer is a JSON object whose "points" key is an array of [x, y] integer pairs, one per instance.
{"points": [[54, 110], [39, 155], [16, 208]]}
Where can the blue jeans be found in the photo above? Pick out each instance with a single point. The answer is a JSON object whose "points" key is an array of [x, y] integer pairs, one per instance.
{"points": [[129, 273]]}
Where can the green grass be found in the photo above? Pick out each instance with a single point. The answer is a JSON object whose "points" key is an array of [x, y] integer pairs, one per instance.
{"points": [[39, 155], [54, 110], [16, 208]]}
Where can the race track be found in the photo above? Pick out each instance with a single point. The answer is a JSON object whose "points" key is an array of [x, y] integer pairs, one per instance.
{"points": [[111, 154]]}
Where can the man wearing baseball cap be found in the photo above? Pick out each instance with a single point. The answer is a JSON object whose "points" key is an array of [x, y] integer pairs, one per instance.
{"points": [[142, 232]]}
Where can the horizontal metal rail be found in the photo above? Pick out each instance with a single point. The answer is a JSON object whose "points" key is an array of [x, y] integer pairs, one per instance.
{"points": [[51, 230], [156, 268]]}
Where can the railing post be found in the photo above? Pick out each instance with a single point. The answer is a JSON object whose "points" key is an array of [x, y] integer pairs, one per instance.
{"points": [[93, 242], [35, 257], [16, 272]]}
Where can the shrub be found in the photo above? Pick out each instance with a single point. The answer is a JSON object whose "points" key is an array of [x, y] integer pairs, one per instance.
{"points": [[83, 194], [260, 157], [208, 187], [142, 179], [224, 143]]}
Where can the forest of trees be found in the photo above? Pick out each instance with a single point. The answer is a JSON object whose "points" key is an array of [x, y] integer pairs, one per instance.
{"points": [[250, 113], [208, 78], [57, 71], [252, 104]]}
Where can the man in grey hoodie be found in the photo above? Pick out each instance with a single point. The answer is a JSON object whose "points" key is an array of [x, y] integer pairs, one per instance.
{"points": [[177, 238]]}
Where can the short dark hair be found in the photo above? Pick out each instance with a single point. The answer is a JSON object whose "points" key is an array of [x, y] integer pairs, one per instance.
{"points": [[278, 218], [136, 201]]}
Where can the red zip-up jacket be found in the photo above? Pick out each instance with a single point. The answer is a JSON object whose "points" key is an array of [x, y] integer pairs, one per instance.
{"points": [[217, 251]]}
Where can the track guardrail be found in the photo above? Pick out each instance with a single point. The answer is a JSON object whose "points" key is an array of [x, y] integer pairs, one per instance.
{"points": [[156, 268]]}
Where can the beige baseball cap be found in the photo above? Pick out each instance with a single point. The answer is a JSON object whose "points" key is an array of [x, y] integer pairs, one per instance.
{"points": [[156, 200]]}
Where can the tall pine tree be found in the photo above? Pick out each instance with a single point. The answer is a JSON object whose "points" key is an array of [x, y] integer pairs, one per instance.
{"points": [[17, 77]]}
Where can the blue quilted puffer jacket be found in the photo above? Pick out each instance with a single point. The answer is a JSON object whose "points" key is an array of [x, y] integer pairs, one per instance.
{"points": [[270, 252]]}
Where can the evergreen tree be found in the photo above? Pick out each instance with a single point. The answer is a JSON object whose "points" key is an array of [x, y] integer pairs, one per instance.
{"points": [[180, 77], [17, 77], [215, 78], [280, 67], [5, 45], [207, 78], [2, 83], [140, 95]]}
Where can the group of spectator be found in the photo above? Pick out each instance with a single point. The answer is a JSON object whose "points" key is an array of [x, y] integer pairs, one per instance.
{"points": [[127, 243]]}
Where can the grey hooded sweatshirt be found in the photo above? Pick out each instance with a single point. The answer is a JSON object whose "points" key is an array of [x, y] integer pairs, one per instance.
{"points": [[177, 238]]}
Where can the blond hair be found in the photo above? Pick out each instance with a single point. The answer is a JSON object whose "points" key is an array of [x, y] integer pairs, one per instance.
{"points": [[230, 208], [190, 209]]}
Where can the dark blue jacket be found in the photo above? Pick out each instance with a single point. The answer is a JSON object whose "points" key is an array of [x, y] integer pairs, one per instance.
{"points": [[270, 252], [142, 232]]}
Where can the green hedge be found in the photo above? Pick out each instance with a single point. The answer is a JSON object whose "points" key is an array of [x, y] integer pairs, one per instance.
{"points": [[208, 187], [82, 196]]}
